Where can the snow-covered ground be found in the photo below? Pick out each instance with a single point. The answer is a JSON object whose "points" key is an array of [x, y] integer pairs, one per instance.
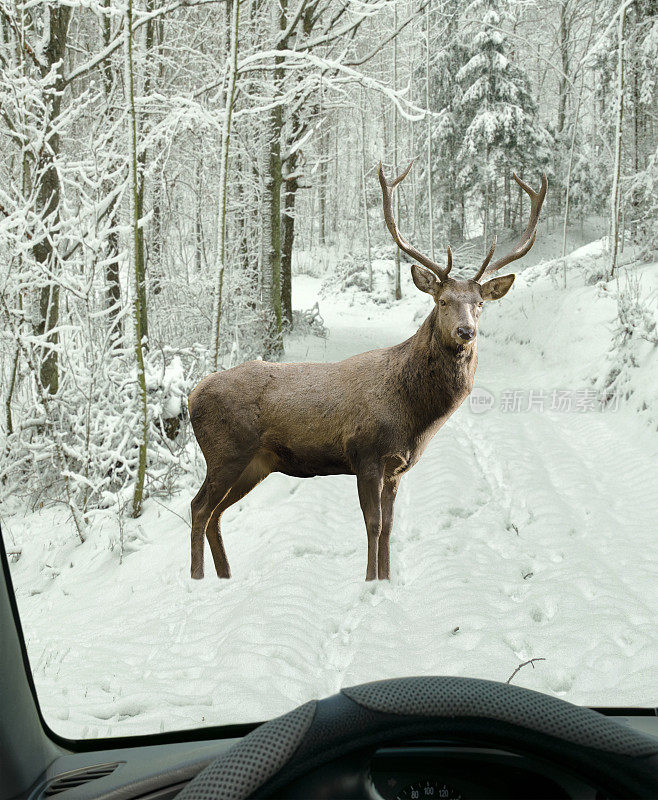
{"points": [[524, 532]]}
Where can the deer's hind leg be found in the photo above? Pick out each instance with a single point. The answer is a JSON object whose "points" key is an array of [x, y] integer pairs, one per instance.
{"points": [[215, 487], [389, 492], [198, 525], [248, 479], [218, 484], [370, 482]]}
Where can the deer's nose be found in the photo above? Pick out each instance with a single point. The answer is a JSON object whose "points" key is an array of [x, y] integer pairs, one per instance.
{"points": [[466, 332]]}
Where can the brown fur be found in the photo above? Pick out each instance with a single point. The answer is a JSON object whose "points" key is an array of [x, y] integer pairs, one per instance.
{"points": [[371, 415]]}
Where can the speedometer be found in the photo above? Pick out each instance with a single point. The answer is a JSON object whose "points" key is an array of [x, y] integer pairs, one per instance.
{"points": [[427, 789]]}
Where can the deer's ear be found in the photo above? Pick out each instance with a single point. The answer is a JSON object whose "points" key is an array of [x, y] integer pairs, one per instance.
{"points": [[497, 287], [424, 279]]}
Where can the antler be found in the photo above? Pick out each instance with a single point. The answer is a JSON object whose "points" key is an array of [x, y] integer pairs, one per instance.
{"points": [[387, 192], [528, 238]]}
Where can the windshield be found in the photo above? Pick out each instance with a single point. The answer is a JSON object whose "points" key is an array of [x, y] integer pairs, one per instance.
{"points": [[263, 434]]}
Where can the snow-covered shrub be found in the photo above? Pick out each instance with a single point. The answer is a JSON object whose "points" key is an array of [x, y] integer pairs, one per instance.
{"points": [[83, 443], [635, 318], [588, 263], [352, 275], [589, 186], [309, 322], [641, 202], [316, 263], [593, 267], [353, 272], [635, 333]]}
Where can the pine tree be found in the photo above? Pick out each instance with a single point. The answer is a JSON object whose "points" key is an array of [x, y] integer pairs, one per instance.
{"points": [[447, 135], [640, 193], [499, 115]]}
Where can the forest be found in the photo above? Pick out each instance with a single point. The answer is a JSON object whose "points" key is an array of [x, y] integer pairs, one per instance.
{"points": [[168, 166]]}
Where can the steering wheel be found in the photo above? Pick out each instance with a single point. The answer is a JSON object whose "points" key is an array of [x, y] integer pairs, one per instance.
{"points": [[620, 760]]}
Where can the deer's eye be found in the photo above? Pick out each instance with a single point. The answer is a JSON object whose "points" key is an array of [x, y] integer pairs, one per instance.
{"points": [[442, 302]]}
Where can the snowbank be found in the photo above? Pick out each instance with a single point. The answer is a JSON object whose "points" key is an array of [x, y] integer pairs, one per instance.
{"points": [[594, 335]]}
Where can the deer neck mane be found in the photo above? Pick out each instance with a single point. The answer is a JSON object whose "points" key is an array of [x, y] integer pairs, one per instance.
{"points": [[436, 376]]}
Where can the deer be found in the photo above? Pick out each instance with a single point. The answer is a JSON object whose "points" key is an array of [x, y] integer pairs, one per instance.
{"points": [[371, 415]]}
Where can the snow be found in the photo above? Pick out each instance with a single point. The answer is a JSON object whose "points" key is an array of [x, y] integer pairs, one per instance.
{"points": [[520, 534]]}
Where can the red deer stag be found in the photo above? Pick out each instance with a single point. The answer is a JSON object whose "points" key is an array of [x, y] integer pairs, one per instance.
{"points": [[371, 415]]}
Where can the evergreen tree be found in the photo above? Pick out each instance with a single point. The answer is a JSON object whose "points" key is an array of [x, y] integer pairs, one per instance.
{"points": [[447, 136], [499, 115], [640, 192]]}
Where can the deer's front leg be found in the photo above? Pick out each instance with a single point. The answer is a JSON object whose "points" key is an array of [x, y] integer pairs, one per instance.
{"points": [[389, 492], [369, 482]]}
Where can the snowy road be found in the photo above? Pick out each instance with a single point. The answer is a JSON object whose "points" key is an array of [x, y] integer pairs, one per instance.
{"points": [[519, 535]]}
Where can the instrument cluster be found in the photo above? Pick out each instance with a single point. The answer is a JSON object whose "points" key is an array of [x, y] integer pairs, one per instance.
{"points": [[429, 771]]}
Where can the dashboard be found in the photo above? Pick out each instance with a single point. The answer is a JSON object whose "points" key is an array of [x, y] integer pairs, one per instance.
{"points": [[442, 770], [434, 771], [422, 769]]}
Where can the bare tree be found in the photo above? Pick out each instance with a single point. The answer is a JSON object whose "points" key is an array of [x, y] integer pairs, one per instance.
{"points": [[139, 299], [614, 195]]}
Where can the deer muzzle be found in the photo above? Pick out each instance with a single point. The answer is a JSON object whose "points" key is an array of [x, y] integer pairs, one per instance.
{"points": [[465, 332]]}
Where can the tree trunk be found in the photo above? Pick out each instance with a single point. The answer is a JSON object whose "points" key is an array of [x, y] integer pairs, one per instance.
{"points": [[223, 177], [495, 206], [398, 285], [563, 85], [614, 195], [142, 156], [637, 112], [272, 282], [507, 220], [272, 209], [290, 194], [485, 222], [112, 277], [10, 390], [337, 177], [48, 193], [140, 262], [567, 197], [138, 306], [364, 194], [156, 254], [430, 191], [322, 191]]}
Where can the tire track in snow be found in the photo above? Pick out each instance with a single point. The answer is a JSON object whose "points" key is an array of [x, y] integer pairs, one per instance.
{"points": [[570, 483]]}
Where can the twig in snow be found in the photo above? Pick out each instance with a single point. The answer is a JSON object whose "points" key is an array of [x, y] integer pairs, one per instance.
{"points": [[121, 534], [170, 510], [524, 664]]}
